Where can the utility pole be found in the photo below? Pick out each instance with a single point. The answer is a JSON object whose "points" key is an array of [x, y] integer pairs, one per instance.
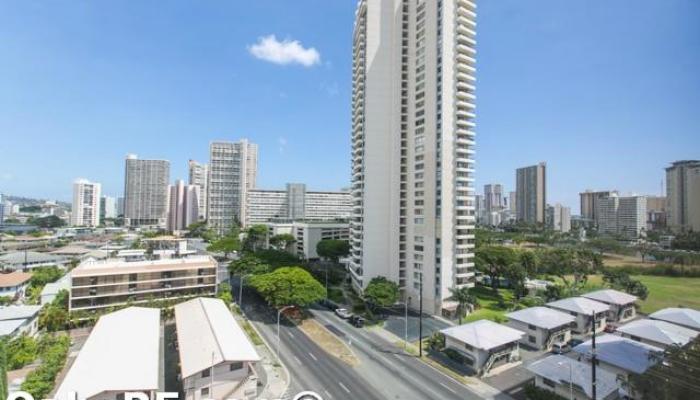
{"points": [[594, 361], [420, 317]]}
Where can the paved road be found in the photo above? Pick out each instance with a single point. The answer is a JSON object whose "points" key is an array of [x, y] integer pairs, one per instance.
{"points": [[387, 367], [311, 368], [396, 324]]}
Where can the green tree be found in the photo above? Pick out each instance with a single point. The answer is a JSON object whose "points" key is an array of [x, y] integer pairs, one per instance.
{"points": [[465, 300], [54, 351], [528, 260], [248, 264], [53, 318], [493, 260], [381, 292], [621, 280], [224, 293], [200, 230], [282, 241], [255, 237], [674, 375], [227, 244], [333, 249], [3, 369], [21, 351], [288, 286], [50, 221]]}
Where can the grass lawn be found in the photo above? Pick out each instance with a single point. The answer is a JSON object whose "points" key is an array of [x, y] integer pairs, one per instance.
{"points": [[664, 291], [488, 304]]}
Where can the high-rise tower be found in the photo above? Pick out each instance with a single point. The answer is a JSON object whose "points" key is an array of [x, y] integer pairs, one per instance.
{"points": [[412, 147]]}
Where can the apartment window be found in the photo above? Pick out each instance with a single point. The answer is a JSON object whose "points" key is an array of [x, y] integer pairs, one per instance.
{"points": [[204, 392], [548, 382], [206, 373], [531, 327], [531, 339], [236, 366]]}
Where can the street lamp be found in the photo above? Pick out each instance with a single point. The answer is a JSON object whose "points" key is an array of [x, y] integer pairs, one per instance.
{"points": [[279, 313], [571, 379]]}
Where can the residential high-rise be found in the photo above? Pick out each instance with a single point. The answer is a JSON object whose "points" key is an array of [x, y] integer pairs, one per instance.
{"points": [[199, 176], [493, 196], [531, 193], [559, 218], [146, 191], [512, 203], [625, 216], [233, 168], [413, 118], [86, 203], [2, 210], [108, 207], [589, 204], [656, 212], [120, 206], [683, 195], [183, 206], [296, 203]]}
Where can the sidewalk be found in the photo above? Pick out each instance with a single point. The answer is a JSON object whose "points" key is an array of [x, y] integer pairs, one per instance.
{"points": [[271, 372]]}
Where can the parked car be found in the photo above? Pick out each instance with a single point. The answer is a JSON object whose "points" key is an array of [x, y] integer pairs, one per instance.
{"points": [[609, 329], [561, 348], [575, 342], [357, 321], [329, 304], [343, 313]]}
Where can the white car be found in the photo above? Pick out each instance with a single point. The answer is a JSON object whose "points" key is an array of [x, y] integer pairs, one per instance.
{"points": [[343, 313]]}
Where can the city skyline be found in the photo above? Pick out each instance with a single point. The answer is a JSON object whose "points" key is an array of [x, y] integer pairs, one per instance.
{"points": [[308, 85]]}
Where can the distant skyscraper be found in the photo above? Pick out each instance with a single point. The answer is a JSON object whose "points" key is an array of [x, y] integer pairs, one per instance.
{"points": [[108, 207], [199, 176], [412, 147], [512, 203], [2, 209], [559, 218], [683, 195], [656, 212], [233, 169], [86, 203], [531, 193], [183, 206], [120, 206], [624, 216], [493, 196], [589, 204], [146, 191]]}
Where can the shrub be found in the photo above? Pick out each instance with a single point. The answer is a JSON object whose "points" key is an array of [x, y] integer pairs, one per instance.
{"points": [[532, 392], [54, 350]]}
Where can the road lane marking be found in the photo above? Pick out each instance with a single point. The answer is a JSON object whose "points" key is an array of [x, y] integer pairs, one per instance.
{"points": [[447, 387], [290, 334], [313, 356], [343, 386], [327, 394], [298, 360]]}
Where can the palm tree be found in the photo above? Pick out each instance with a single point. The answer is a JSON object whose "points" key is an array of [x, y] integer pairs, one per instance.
{"points": [[464, 299]]}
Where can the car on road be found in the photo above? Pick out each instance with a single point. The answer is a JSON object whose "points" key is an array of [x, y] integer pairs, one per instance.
{"points": [[561, 348], [357, 321], [343, 313]]}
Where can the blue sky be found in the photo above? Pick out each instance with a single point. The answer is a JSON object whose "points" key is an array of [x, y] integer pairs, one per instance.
{"points": [[606, 92]]}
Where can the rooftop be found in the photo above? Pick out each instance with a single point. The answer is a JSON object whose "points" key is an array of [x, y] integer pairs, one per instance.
{"points": [[556, 368], [9, 326], [611, 296], [209, 335], [659, 331], [15, 278], [621, 352], [19, 257], [483, 334], [122, 353], [542, 317], [680, 316], [580, 305], [71, 250], [8, 313], [116, 266]]}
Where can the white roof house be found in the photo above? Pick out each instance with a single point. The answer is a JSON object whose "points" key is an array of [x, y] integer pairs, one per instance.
{"points": [[17, 319], [611, 296], [580, 305], [556, 368], [623, 353], [686, 317], [484, 334], [659, 332], [209, 335], [541, 317], [9, 313], [50, 290], [121, 354]]}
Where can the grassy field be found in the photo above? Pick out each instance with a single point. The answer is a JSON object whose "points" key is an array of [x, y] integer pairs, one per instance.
{"points": [[488, 304]]}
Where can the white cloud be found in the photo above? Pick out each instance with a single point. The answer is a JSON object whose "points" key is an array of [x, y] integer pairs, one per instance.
{"points": [[288, 51]]}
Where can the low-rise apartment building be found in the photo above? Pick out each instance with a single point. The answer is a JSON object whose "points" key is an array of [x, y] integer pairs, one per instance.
{"points": [[622, 357], [571, 379], [543, 326], [122, 354], [14, 284], [18, 320], [485, 345], [307, 234], [101, 284], [622, 305], [656, 333], [685, 317], [217, 360], [582, 309]]}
